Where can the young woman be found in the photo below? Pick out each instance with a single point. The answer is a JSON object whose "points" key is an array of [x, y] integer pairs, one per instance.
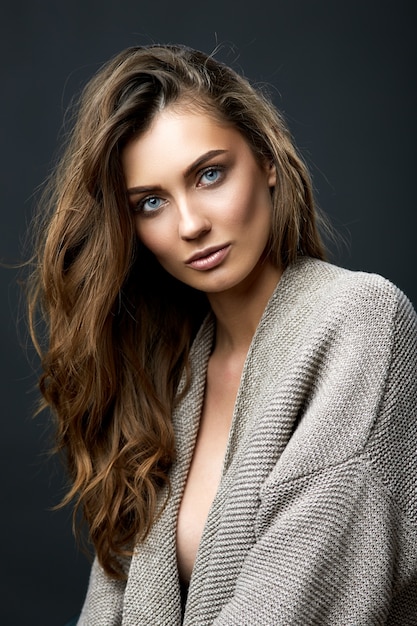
{"points": [[238, 415]]}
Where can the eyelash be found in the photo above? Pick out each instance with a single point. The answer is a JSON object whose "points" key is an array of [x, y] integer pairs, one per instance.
{"points": [[212, 168], [139, 207]]}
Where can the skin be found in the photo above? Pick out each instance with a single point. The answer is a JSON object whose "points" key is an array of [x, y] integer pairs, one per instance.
{"points": [[202, 206], [224, 200]]}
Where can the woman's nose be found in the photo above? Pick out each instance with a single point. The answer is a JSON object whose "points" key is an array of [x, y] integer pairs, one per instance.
{"points": [[193, 222]]}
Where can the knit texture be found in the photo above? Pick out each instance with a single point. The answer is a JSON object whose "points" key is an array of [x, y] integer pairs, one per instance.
{"points": [[315, 518]]}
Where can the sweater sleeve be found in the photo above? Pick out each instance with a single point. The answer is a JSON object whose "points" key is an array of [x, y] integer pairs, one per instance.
{"points": [[339, 545], [104, 601]]}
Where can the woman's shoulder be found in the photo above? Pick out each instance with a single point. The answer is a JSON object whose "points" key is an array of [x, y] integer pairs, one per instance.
{"points": [[329, 275], [352, 289], [317, 301]]}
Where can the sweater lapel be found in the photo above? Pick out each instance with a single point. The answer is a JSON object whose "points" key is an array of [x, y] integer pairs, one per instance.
{"points": [[152, 594]]}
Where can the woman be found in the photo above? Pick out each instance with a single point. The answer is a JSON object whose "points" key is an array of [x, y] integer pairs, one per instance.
{"points": [[238, 415]]}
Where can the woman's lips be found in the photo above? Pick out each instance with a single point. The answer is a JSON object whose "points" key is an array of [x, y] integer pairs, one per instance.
{"points": [[207, 260]]}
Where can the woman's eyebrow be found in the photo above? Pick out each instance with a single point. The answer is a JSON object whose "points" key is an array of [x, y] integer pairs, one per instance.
{"points": [[201, 160], [190, 169], [133, 191]]}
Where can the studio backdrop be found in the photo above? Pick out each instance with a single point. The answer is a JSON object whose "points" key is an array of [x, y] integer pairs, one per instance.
{"points": [[342, 73]]}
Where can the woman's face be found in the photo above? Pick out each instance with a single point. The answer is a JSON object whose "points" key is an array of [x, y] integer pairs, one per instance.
{"points": [[201, 201]]}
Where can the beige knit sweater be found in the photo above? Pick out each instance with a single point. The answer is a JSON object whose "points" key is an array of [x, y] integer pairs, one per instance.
{"points": [[315, 519]]}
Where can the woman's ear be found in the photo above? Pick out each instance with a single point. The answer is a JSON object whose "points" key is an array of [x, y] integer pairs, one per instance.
{"points": [[272, 173]]}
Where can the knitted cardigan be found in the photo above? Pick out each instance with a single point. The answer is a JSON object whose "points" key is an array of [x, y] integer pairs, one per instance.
{"points": [[315, 518]]}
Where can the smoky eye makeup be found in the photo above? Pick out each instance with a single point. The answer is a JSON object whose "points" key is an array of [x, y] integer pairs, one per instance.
{"points": [[148, 205], [211, 175], [205, 177]]}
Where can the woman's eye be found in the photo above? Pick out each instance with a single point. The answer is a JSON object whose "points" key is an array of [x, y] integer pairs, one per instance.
{"points": [[150, 204], [210, 175]]}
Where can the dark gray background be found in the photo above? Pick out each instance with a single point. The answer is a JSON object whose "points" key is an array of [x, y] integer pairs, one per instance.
{"points": [[342, 72]]}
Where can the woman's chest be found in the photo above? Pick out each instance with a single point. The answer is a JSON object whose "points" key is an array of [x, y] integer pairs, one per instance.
{"points": [[205, 471]]}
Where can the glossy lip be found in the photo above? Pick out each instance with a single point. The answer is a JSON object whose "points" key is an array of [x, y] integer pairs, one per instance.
{"points": [[209, 257]]}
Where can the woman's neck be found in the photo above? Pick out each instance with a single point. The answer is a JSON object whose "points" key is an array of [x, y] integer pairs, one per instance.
{"points": [[239, 310]]}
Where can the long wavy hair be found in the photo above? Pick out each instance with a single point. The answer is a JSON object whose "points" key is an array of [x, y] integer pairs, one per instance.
{"points": [[118, 327]]}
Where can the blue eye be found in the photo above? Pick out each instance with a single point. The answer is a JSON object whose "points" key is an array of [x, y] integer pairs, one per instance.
{"points": [[210, 175], [152, 203]]}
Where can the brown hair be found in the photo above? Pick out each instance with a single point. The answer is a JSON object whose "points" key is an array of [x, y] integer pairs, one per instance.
{"points": [[118, 330]]}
